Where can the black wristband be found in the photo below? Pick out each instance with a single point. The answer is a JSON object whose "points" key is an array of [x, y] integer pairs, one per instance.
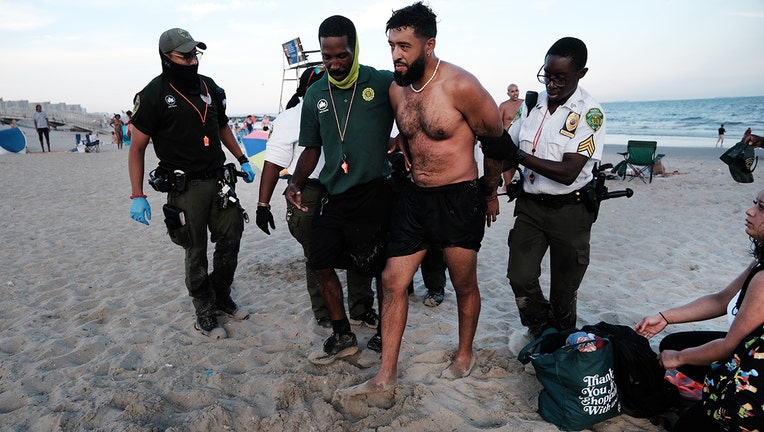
{"points": [[243, 159]]}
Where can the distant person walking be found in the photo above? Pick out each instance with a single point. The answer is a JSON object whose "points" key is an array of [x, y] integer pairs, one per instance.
{"points": [[116, 123], [41, 126], [127, 128], [720, 140]]}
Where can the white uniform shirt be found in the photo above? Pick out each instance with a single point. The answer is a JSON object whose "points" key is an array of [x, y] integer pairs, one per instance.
{"points": [[282, 147], [578, 126]]}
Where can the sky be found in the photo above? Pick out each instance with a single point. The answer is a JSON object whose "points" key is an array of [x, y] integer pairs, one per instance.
{"points": [[99, 53]]}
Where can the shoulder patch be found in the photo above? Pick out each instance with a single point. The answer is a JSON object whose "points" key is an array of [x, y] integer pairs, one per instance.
{"points": [[136, 103], [587, 146], [594, 118]]}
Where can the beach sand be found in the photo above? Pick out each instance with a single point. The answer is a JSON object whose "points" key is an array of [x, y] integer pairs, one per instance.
{"points": [[97, 327]]}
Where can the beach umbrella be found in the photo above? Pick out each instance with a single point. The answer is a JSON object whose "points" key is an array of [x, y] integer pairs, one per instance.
{"points": [[254, 145]]}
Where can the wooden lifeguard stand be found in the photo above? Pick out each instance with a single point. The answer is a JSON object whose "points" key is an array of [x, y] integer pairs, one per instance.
{"points": [[296, 60]]}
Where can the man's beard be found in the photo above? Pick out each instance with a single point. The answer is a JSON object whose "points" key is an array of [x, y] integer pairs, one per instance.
{"points": [[414, 73]]}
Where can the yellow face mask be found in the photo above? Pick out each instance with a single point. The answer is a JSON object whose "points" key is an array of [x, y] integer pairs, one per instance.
{"points": [[353, 75]]}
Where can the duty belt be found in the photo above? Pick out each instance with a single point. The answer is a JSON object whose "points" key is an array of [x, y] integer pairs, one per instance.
{"points": [[556, 201], [313, 184], [213, 174]]}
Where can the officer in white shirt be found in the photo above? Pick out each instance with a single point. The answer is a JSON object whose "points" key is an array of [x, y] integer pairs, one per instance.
{"points": [[559, 141]]}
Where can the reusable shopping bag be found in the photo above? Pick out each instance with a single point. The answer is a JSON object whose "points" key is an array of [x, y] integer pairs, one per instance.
{"points": [[579, 385]]}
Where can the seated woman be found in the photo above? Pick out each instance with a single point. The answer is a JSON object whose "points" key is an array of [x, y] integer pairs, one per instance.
{"points": [[693, 352]]}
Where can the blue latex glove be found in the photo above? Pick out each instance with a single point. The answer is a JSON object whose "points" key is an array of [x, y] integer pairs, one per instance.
{"points": [[140, 210], [247, 169]]}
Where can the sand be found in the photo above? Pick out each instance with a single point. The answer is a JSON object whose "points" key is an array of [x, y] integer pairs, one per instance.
{"points": [[97, 328]]}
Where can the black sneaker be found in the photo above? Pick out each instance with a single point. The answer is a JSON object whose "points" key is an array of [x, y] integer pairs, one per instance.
{"points": [[336, 346], [369, 319], [208, 326], [433, 298], [324, 322], [375, 343], [229, 308]]}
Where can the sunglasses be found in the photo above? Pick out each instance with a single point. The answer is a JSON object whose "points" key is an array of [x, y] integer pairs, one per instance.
{"points": [[189, 56]]}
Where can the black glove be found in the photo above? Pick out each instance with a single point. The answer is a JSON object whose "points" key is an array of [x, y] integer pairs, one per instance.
{"points": [[263, 218], [501, 148]]}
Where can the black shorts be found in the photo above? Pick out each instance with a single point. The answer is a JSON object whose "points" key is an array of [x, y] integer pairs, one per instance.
{"points": [[443, 216], [349, 230]]}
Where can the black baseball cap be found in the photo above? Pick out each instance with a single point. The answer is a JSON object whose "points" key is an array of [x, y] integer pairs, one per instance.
{"points": [[741, 160], [177, 39]]}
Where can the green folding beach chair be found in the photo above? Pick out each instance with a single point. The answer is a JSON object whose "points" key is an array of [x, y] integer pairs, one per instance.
{"points": [[641, 158]]}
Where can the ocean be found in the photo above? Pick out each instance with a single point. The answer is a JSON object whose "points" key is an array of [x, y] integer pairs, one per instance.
{"points": [[698, 119]]}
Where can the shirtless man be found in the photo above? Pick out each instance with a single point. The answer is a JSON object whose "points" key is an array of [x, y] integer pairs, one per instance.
{"points": [[509, 110], [510, 107], [440, 109]]}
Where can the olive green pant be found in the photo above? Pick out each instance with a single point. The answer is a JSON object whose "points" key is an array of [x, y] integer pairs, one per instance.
{"points": [[360, 293], [565, 232], [200, 202]]}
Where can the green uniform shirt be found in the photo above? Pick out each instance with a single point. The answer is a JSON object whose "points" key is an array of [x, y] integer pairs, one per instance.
{"points": [[178, 129], [366, 130]]}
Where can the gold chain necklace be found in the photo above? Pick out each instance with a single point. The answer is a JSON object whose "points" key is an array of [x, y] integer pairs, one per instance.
{"points": [[428, 81], [342, 131]]}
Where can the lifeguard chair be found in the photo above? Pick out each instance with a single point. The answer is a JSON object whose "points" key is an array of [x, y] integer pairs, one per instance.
{"points": [[296, 60]]}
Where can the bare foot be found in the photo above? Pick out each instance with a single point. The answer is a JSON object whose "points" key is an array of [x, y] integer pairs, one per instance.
{"points": [[369, 388], [361, 396], [458, 370]]}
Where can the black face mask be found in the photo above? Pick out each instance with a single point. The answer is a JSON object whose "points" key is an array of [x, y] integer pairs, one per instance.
{"points": [[184, 77]]}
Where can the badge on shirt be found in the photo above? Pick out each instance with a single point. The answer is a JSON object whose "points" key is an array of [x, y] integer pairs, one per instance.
{"points": [[571, 123], [170, 101], [594, 118], [322, 105], [368, 94]]}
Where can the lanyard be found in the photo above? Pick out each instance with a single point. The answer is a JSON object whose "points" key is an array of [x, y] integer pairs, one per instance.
{"points": [[536, 138], [342, 131], [206, 106]]}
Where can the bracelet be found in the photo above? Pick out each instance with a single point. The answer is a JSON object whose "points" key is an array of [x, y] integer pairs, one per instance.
{"points": [[264, 204], [491, 198], [137, 196], [243, 159], [664, 318]]}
